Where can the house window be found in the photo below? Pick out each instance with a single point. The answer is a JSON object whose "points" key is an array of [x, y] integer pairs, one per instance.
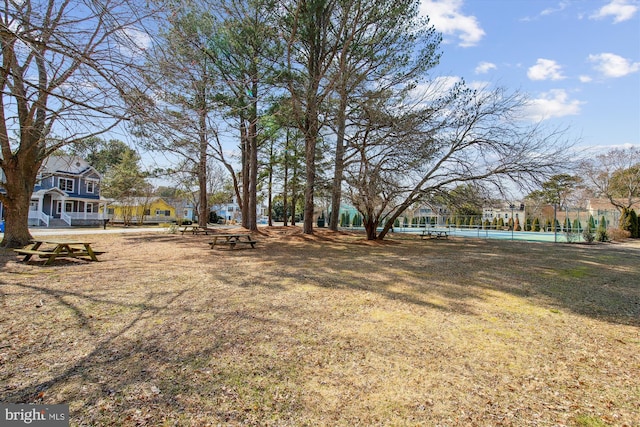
{"points": [[91, 187], [110, 211], [167, 213], [65, 184], [89, 207]]}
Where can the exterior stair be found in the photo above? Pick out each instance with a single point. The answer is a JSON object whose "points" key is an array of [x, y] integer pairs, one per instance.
{"points": [[57, 223]]}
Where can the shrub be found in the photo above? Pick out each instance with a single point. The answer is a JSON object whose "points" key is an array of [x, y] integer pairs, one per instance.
{"points": [[588, 235], [629, 222], [536, 224], [601, 235], [635, 224], [577, 226], [617, 234]]}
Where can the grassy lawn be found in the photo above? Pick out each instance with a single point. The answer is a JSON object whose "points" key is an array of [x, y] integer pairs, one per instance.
{"points": [[328, 330]]}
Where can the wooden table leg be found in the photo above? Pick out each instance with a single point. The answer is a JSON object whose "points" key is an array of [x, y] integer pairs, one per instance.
{"points": [[54, 254], [33, 247], [87, 246]]}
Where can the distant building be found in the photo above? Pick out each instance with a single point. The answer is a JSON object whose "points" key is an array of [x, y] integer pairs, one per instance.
{"points": [[141, 210]]}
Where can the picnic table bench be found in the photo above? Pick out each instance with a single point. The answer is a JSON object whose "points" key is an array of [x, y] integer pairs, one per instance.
{"points": [[232, 239], [195, 229], [435, 234], [59, 249]]}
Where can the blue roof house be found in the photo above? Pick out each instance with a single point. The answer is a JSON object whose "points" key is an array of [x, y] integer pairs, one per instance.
{"points": [[67, 192]]}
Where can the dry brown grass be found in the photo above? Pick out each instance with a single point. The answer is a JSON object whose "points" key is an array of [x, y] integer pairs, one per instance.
{"points": [[327, 330]]}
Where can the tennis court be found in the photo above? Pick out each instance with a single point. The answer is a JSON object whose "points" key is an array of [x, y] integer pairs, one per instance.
{"points": [[478, 233]]}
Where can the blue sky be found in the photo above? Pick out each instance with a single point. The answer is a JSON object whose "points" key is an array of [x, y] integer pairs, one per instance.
{"points": [[577, 60]]}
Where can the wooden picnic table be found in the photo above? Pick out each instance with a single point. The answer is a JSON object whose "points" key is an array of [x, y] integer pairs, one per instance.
{"points": [[434, 234], [54, 249], [232, 239], [195, 229]]}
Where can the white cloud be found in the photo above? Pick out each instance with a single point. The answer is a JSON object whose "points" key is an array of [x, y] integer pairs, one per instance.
{"points": [[551, 10], [612, 65], [621, 10], [585, 79], [555, 103], [545, 69], [446, 16], [484, 67], [134, 41]]}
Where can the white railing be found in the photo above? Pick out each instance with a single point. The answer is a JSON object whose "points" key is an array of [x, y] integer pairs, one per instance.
{"points": [[40, 216], [85, 215], [65, 217]]}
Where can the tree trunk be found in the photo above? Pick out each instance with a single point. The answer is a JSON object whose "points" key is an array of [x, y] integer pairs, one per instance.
{"points": [[310, 155], [370, 226], [20, 179], [252, 188], [244, 153], [310, 138], [203, 216], [286, 181], [336, 192], [270, 185]]}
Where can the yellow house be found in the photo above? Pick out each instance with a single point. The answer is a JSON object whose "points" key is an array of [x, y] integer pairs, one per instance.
{"points": [[141, 210]]}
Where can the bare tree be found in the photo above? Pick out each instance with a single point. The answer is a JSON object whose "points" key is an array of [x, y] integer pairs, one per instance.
{"points": [[384, 44], [66, 66], [615, 175], [408, 152]]}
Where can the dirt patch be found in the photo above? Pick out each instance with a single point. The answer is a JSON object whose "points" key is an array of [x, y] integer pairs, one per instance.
{"points": [[326, 330]]}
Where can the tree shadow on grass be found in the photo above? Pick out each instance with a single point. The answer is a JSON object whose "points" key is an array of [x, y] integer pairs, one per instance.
{"points": [[151, 361], [595, 281]]}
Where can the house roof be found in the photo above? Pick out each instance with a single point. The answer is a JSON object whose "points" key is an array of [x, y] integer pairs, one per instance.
{"points": [[41, 193], [71, 165], [605, 204]]}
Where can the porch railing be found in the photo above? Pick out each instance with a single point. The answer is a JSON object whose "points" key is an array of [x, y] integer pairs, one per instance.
{"points": [[65, 217], [84, 215], [40, 216]]}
